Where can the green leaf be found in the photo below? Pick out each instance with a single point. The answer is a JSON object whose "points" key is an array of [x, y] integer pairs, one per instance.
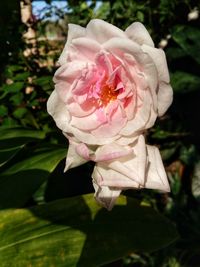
{"points": [[19, 113], [140, 16], [183, 82], [9, 122], [77, 232], [3, 110], [188, 154], [17, 99], [168, 152], [19, 181], [12, 140], [7, 154], [45, 82], [14, 68], [187, 38], [22, 76], [13, 87], [16, 136]]}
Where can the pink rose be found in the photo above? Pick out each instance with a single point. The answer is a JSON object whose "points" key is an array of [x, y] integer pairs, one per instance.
{"points": [[110, 88]]}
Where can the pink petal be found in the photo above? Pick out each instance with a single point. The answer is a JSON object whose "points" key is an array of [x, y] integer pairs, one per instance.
{"points": [[141, 118], [82, 110], [111, 129], [111, 151], [89, 122]]}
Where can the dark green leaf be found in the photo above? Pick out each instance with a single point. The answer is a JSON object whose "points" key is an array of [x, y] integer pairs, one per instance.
{"points": [[188, 39], [19, 113], [19, 181], [183, 82], [77, 232], [45, 82], [188, 155], [22, 76], [13, 87], [7, 154], [12, 139], [16, 136], [3, 110]]}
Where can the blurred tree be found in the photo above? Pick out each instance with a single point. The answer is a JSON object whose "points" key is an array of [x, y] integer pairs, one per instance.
{"points": [[10, 36]]}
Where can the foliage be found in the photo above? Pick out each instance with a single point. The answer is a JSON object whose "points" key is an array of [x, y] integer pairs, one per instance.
{"points": [[73, 223], [32, 151]]}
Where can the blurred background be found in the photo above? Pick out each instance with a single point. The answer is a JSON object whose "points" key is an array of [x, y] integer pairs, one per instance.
{"points": [[32, 149]]}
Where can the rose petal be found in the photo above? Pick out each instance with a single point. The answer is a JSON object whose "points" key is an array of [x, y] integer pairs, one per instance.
{"points": [[90, 139], [68, 72], [159, 59], [106, 196], [156, 175], [121, 46], [112, 128], [102, 31], [142, 117], [115, 179], [88, 52], [82, 110], [111, 151], [73, 159], [74, 31], [57, 109], [91, 124], [138, 33], [165, 97]]}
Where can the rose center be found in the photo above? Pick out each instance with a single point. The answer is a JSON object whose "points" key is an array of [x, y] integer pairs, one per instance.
{"points": [[107, 94]]}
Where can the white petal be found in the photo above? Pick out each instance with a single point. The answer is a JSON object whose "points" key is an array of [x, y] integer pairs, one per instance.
{"points": [[126, 140], [74, 31], [102, 31], [86, 48], [57, 109], [88, 138], [121, 46], [113, 178], [156, 175], [104, 195], [159, 58], [73, 159], [165, 97], [139, 34], [127, 171]]}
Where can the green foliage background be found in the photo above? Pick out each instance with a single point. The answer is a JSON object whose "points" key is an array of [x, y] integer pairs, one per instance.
{"points": [[47, 218]]}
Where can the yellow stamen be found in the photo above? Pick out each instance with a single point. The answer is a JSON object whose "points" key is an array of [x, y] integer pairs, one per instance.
{"points": [[107, 94]]}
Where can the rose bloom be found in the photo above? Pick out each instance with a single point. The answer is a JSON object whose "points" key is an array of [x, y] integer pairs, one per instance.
{"points": [[110, 87]]}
